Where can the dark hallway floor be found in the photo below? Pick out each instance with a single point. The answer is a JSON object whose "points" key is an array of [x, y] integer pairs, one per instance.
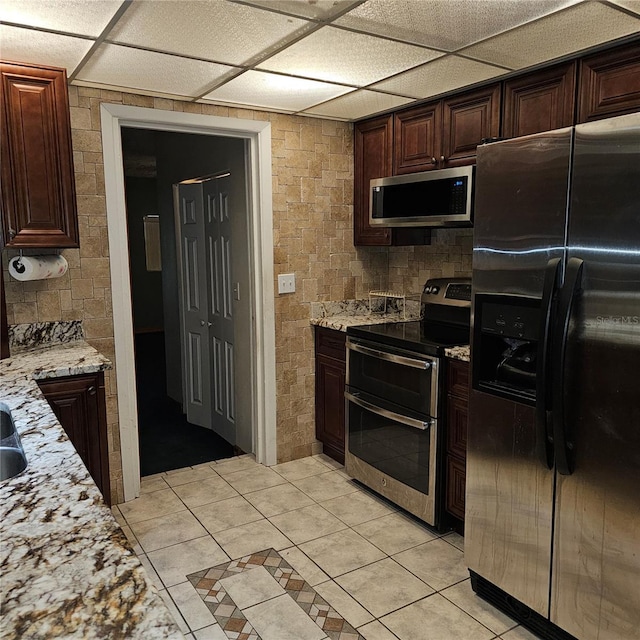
{"points": [[167, 440]]}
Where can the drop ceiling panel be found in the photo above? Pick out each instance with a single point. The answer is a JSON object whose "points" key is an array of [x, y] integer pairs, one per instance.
{"points": [[632, 5], [318, 9], [274, 91], [358, 104], [72, 16], [220, 30], [579, 27], [127, 67], [336, 55], [39, 47], [444, 24], [439, 76]]}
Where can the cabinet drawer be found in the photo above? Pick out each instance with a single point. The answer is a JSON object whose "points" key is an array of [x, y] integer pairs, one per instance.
{"points": [[456, 474], [330, 342], [458, 378], [457, 416]]}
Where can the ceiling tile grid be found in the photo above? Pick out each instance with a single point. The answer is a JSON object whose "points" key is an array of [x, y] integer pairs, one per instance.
{"points": [[42, 47], [269, 90], [584, 25], [358, 104], [342, 59], [217, 31], [118, 66], [71, 16], [439, 76], [444, 24], [336, 55]]}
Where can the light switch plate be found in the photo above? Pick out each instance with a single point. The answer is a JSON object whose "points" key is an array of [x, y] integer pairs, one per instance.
{"points": [[287, 283]]}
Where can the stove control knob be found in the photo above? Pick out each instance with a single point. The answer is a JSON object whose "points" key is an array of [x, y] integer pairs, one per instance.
{"points": [[435, 290]]}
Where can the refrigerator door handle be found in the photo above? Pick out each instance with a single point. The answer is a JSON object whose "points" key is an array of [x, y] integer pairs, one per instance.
{"points": [[561, 432], [543, 377]]}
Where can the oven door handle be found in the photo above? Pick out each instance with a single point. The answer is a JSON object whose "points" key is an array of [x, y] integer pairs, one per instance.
{"points": [[392, 357], [385, 413]]}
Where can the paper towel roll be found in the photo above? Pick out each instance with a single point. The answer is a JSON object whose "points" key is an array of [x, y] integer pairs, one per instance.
{"points": [[37, 267]]}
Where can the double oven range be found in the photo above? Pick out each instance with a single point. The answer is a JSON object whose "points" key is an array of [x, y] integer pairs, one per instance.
{"points": [[394, 399]]}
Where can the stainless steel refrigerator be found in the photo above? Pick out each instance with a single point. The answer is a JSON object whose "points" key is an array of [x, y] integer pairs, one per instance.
{"points": [[552, 530]]}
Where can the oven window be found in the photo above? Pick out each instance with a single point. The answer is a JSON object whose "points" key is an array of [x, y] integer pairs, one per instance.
{"points": [[403, 385], [397, 450]]}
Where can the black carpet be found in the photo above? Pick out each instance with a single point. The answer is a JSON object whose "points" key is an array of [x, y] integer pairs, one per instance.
{"points": [[167, 440]]}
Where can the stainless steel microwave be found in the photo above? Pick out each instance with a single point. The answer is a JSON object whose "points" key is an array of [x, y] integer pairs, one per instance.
{"points": [[440, 198]]}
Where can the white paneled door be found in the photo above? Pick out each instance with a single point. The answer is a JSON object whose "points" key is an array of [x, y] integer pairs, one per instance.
{"points": [[217, 228], [207, 305]]}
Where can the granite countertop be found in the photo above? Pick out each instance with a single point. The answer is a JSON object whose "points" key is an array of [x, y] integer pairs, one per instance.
{"points": [[459, 353], [66, 567], [352, 313]]}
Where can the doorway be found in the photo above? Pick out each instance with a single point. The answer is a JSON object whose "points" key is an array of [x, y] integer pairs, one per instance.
{"points": [[261, 380], [175, 428]]}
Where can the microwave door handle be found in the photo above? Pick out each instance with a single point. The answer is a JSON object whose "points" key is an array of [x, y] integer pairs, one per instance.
{"points": [[543, 373], [427, 363], [385, 413], [561, 430]]}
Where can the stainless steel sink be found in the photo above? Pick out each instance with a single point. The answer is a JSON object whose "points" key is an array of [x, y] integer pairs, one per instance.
{"points": [[12, 458]]}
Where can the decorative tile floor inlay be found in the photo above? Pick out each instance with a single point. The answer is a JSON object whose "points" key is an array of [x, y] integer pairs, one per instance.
{"points": [[208, 584]]}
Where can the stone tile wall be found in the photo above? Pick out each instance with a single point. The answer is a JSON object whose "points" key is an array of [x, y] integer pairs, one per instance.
{"points": [[312, 168]]}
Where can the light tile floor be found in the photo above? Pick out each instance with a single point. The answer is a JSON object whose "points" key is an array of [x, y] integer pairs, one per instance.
{"points": [[349, 555]]}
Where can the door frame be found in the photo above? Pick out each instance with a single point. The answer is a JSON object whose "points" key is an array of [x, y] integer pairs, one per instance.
{"points": [[258, 136]]}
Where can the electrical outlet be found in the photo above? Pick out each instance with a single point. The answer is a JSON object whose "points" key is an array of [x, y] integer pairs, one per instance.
{"points": [[287, 283]]}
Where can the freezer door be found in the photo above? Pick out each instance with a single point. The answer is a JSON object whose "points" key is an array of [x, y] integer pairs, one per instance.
{"points": [[520, 226], [596, 561]]}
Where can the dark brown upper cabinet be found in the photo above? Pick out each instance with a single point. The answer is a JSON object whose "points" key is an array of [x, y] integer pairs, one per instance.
{"points": [[38, 189], [445, 133], [467, 119], [539, 101], [373, 159], [609, 84], [417, 138]]}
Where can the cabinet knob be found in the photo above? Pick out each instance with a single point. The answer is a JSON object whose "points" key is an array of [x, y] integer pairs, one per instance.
{"points": [[202, 323], [433, 160], [12, 233], [91, 391], [442, 159]]}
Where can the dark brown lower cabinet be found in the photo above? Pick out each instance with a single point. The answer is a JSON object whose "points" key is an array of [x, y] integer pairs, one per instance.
{"points": [[456, 454], [331, 370], [79, 404]]}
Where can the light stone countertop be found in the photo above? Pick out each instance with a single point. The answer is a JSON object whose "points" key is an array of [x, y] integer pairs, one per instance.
{"points": [[459, 353], [66, 567], [353, 313]]}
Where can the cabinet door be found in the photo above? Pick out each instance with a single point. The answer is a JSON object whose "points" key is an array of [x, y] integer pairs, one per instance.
{"points": [[609, 84], [467, 120], [456, 486], [457, 418], [539, 101], [416, 138], [38, 188], [330, 427], [372, 160], [79, 405]]}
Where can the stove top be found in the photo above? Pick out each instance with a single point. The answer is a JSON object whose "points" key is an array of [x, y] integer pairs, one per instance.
{"points": [[428, 338]]}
